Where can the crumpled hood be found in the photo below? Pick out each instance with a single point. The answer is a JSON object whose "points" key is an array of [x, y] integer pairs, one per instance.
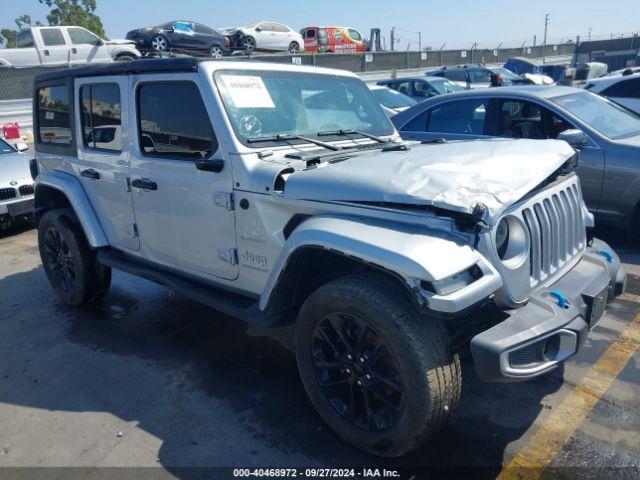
{"points": [[118, 41], [14, 166], [455, 175]]}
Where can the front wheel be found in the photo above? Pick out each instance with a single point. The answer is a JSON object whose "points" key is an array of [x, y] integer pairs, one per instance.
{"points": [[380, 375], [249, 44], [294, 48], [216, 52], [159, 43], [69, 263]]}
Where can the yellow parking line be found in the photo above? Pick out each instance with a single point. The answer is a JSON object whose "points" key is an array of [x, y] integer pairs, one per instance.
{"points": [[536, 455]]}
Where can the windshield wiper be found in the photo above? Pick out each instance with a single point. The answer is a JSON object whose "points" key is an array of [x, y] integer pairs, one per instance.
{"points": [[347, 132], [287, 137]]}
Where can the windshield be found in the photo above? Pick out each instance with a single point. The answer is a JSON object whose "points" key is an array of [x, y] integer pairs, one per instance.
{"points": [[602, 115], [506, 74], [5, 148], [446, 86], [264, 104], [392, 99]]}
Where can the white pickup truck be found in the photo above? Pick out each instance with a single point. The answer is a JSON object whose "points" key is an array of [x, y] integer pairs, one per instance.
{"points": [[64, 46]]}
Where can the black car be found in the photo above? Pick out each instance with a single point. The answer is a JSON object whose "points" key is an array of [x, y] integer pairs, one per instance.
{"points": [[180, 36]]}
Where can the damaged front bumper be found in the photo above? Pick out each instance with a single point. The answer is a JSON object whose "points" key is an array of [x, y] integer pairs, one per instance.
{"points": [[553, 325]]}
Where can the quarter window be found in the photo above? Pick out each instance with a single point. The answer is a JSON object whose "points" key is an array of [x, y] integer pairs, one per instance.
{"points": [[54, 123], [80, 36], [456, 75], [101, 117], [52, 37], [464, 117], [173, 122], [354, 34]]}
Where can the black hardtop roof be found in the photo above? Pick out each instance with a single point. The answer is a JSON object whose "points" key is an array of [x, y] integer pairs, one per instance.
{"points": [[183, 64]]}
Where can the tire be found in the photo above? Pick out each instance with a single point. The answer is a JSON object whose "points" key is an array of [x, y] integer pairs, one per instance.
{"points": [[69, 263], [427, 381], [249, 44], [294, 48], [159, 43], [216, 52], [126, 57]]}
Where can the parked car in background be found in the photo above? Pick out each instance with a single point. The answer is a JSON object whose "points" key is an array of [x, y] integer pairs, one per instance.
{"points": [[622, 89], [551, 67], [64, 46], [16, 183], [181, 36], [596, 126], [333, 39], [506, 77], [265, 36], [391, 101], [420, 88], [466, 76]]}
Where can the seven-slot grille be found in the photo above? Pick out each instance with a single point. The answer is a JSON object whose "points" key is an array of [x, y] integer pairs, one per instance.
{"points": [[7, 193], [26, 190], [556, 231]]}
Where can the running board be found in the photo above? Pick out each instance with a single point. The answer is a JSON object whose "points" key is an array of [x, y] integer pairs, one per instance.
{"points": [[232, 304]]}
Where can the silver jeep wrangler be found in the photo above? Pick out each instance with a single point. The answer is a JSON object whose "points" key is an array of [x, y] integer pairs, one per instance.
{"points": [[283, 195]]}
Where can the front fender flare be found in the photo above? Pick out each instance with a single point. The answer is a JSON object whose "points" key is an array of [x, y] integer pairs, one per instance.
{"points": [[71, 188], [410, 251]]}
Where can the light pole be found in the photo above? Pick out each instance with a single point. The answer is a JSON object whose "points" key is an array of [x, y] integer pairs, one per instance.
{"points": [[546, 26]]}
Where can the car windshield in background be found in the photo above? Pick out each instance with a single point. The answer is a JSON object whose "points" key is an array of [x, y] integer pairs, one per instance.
{"points": [[5, 148], [265, 104], [506, 74], [446, 86], [602, 115], [392, 99]]}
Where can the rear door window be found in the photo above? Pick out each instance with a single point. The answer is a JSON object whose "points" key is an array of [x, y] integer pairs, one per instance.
{"points": [[173, 121], [24, 39], [462, 117], [101, 117], [480, 76], [52, 37], [54, 122]]}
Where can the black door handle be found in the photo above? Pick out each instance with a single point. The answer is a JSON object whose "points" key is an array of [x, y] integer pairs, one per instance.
{"points": [[74, 50], [46, 53], [210, 165], [144, 183], [90, 173]]}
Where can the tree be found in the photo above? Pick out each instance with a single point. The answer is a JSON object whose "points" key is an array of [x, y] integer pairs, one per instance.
{"points": [[8, 37], [74, 12]]}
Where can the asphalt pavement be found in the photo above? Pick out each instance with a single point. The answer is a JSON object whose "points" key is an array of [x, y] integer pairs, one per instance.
{"points": [[145, 378]]}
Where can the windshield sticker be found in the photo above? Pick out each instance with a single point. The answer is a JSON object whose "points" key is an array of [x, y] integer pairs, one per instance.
{"points": [[247, 92]]}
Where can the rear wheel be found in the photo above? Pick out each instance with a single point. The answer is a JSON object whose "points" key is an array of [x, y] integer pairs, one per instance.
{"points": [[125, 57], [380, 375], [69, 263]]}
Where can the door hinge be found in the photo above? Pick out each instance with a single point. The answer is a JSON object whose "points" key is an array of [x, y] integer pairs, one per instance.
{"points": [[223, 199], [229, 255]]}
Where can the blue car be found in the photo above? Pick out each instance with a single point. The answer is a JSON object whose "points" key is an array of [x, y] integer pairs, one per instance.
{"points": [[420, 88], [597, 127]]}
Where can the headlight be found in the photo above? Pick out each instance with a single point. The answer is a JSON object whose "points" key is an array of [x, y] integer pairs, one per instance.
{"points": [[512, 241]]}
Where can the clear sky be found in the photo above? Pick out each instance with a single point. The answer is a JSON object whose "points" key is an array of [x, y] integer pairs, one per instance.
{"points": [[457, 23]]}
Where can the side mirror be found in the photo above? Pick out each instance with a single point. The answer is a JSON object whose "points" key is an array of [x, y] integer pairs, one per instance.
{"points": [[574, 137], [258, 29], [21, 146]]}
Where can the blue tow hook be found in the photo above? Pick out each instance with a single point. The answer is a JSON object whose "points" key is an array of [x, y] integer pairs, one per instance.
{"points": [[561, 300], [607, 254]]}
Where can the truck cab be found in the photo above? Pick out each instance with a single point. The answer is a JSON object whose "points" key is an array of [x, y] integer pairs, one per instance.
{"points": [[66, 45]]}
